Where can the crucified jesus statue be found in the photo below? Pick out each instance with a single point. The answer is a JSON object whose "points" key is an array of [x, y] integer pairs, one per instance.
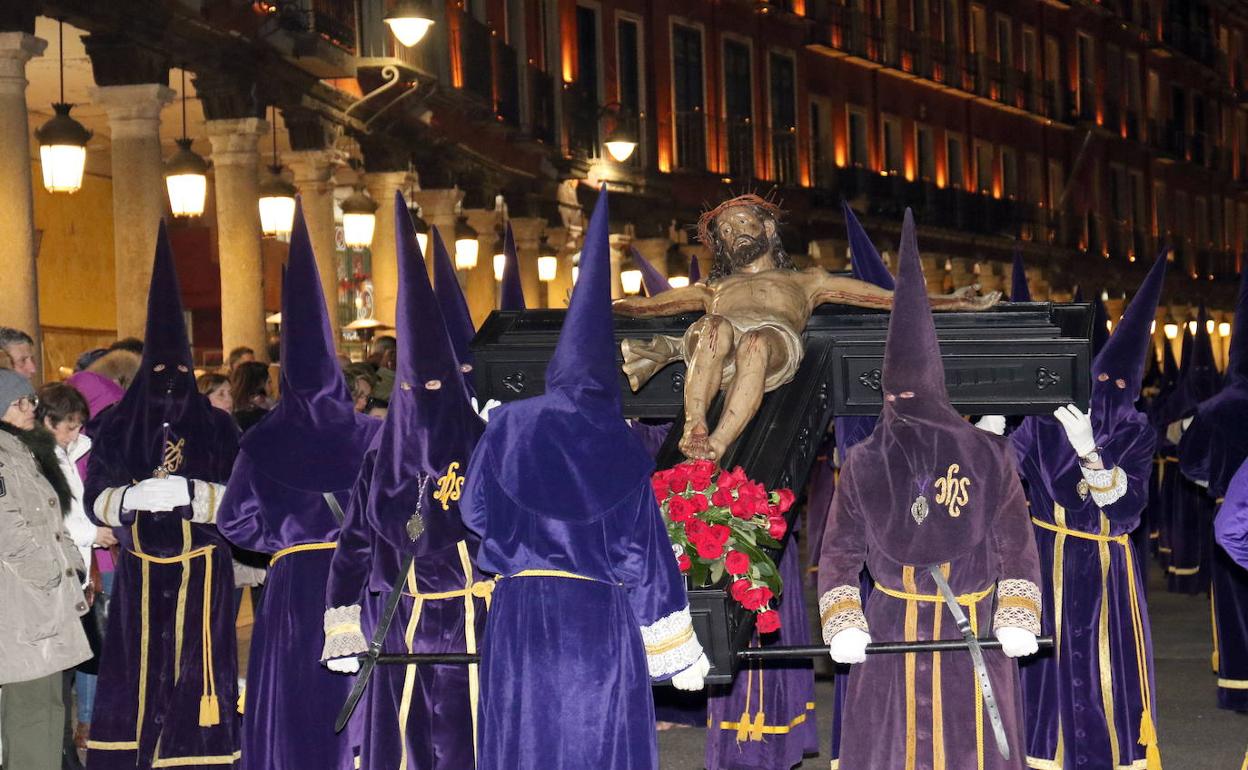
{"points": [[757, 305]]}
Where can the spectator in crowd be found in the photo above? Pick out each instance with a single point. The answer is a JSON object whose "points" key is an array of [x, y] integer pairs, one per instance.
{"points": [[216, 387], [131, 344], [20, 349], [361, 381], [62, 411], [383, 360], [249, 384], [88, 358], [239, 355], [41, 635]]}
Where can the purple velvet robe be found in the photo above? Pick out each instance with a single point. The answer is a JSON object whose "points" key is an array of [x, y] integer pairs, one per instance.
{"points": [[1231, 528], [168, 668], [1094, 603]]}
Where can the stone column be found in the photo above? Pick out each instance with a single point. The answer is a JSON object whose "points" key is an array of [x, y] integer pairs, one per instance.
{"points": [[479, 285], [138, 192], [314, 171], [235, 162], [20, 308], [528, 234], [382, 185]]}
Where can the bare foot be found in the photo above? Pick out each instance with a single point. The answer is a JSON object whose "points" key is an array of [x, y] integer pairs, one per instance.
{"points": [[718, 446], [695, 443], [983, 302], [966, 292]]}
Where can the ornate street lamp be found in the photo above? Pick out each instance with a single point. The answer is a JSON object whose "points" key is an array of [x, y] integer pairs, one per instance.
{"points": [[621, 142], [359, 219], [466, 244], [186, 173], [1171, 330], [547, 262], [409, 21], [62, 140], [277, 197], [500, 252]]}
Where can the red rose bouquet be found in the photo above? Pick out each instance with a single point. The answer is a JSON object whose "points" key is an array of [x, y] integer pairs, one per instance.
{"points": [[719, 522]]}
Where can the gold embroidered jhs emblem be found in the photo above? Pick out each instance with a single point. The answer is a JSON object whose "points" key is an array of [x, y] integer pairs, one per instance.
{"points": [[172, 459], [450, 486], [951, 491]]}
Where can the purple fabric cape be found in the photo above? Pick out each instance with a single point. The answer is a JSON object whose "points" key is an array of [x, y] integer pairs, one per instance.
{"points": [[1062, 699], [921, 445], [454, 307], [511, 294], [1231, 526], [162, 406], [654, 281], [537, 495], [415, 465]]}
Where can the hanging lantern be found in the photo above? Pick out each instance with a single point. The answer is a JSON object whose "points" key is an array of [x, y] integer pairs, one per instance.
{"points": [[1171, 330], [630, 280], [547, 262], [186, 178], [678, 281], [1210, 326], [409, 22], [620, 143], [1224, 329], [359, 219], [466, 244], [277, 204], [62, 140], [500, 266], [1152, 327], [1191, 327], [500, 252], [420, 226]]}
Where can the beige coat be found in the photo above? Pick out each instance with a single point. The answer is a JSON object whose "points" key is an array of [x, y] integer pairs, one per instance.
{"points": [[41, 597]]}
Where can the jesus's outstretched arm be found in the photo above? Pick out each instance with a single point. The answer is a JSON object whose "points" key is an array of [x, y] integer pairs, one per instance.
{"points": [[683, 300]]}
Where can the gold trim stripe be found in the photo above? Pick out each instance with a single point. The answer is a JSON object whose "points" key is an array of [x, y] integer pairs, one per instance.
{"points": [[300, 549], [219, 759], [113, 745], [1233, 684], [938, 708], [843, 605], [672, 643], [770, 729], [911, 634]]}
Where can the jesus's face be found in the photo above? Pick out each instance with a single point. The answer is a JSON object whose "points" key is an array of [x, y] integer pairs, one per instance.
{"points": [[744, 235]]}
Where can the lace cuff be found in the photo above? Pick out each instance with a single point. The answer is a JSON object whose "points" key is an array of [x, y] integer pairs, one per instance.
{"points": [[671, 645], [1018, 605], [841, 608], [343, 637], [108, 506], [1107, 485], [205, 500]]}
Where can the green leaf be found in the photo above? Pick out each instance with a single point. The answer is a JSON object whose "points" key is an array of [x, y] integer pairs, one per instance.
{"points": [[717, 571]]}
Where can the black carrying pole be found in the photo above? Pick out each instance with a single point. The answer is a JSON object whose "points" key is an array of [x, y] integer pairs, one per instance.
{"points": [[747, 655]]}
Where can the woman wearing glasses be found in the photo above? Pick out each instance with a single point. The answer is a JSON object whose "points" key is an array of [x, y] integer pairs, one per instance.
{"points": [[41, 598]]}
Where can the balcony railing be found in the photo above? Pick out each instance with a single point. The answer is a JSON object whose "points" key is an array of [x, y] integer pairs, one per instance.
{"points": [[335, 21], [691, 140], [740, 133], [784, 156], [580, 116], [507, 83], [541, 104]]}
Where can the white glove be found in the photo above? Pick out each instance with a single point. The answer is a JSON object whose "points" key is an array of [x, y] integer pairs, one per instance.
{"points": [[348, 665], [693, 677], [993, 423], [1078, 428], [1016, 642], [158, 494], [484, 409], [849, 646]]}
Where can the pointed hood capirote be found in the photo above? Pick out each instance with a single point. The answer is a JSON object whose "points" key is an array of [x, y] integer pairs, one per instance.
{"points": [[864, 259], [1118, 369], [454, 307], [920, 445], [577, 424], [1019, 290], [654, 281], [511, 294], [695, 269], [1100, 326], [430, 428], [866, 265], [162, 403], [313, 439]]}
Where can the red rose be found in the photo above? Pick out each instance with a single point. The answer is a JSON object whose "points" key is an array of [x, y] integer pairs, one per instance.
{"points": [[684, 562], [731, 479], [756, 598], [679, 509], [739, 588], [678, 478], [737, 563], [767, 622], [786, 500], [699, 503], [696, 530], [722, 497], [742, 508], [709, 549], [700, 473], [660, 486], [719, 533], [777, 526]]}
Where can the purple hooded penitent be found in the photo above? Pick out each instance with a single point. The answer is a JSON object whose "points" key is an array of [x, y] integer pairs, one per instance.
{"points": [[695, 269], [1231, 527], [654, 281], [926, 488], [1019, 290], [1211, 452], [406, 501], [454, 307], [588, 576], [511, 294], [162, 649], [309, 446], [1100, 326], [1101, 584], [864, 260]]}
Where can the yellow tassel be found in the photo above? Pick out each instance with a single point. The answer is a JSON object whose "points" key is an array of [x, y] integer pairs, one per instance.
{"points": [[1153, 757], [756, 732], [1148, 739], [743, 726], [1213, 661], [209, 711]]}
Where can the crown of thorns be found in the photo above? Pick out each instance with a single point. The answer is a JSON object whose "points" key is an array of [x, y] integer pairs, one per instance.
{"points": [[705, 221]]}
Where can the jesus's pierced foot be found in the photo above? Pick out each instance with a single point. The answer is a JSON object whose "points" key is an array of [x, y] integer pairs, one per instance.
{"points": [[963, 299], [695, 444]]}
